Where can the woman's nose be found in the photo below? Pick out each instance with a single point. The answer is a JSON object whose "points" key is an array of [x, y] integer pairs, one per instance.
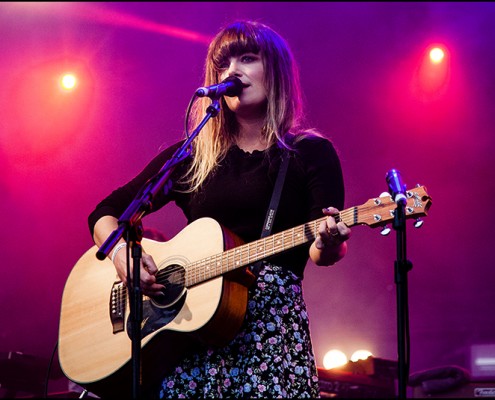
{"points": [[233, 69]]}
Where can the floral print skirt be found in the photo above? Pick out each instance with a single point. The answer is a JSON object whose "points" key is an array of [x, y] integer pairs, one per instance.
{"points": [[271, 356]]}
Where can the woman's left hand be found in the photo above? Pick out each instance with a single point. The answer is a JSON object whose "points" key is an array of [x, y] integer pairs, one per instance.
{"points": [[330, 232], [330, 244]]}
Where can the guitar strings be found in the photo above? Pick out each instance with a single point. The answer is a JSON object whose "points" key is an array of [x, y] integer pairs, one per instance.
{"points": [[201, 270], [249, 253], [215, 265]]}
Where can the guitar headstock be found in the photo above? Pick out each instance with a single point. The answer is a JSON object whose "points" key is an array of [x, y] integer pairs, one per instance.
{"points": [[379, 211]]}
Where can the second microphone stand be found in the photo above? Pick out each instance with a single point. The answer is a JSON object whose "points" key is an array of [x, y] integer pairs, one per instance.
{"points": [[402, 267]]}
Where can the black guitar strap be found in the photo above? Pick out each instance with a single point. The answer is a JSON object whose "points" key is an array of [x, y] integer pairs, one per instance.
{"points": [[272, 209]]}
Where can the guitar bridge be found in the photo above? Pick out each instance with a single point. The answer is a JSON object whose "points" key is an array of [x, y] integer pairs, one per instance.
{"points": [[118, 299]]}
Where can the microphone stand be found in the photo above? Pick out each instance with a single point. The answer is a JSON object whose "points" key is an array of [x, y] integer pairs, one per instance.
{"points": [[129, 224], [402, 267]]}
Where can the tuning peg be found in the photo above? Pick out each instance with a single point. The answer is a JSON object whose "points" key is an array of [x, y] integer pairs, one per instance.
{"points": [[418, 223], [385, 231]]}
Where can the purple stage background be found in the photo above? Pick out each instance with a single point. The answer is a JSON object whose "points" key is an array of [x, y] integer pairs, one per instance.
{"points": [[141, 63]]}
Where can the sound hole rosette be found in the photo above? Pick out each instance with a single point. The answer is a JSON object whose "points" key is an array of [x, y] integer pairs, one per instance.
{"points": [[172, 274]]}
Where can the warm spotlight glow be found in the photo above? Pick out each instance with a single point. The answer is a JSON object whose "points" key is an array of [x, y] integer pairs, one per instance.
{"points": [[360, 355], [50, 103], [334, 358], [432, 76], [68, 81], [436, 55]]}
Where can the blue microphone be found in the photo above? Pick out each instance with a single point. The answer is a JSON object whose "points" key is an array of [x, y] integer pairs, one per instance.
{"points": [[231, 87], [395, 186]]}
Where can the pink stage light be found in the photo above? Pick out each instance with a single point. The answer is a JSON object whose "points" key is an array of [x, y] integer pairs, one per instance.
{"points": [[433, 74], [48, 106]]}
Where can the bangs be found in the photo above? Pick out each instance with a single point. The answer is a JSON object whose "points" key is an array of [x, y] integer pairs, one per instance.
{"points": [[235, 41]]}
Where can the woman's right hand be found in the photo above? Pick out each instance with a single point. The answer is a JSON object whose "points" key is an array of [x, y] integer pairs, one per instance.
{"points": [[102, 229], [148, 272]]}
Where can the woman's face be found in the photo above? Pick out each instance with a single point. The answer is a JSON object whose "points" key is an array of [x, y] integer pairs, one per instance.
{"points": [[248, 67]]}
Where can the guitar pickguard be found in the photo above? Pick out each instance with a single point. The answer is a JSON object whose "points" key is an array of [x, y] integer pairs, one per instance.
{"points": [[160, 310], [156, 317]]}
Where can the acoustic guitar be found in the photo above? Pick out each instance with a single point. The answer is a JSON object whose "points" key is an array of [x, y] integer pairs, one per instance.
{"points": [[204, 270]]}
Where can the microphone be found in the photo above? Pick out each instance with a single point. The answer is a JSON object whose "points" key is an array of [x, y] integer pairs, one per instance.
{"points": [[231, 87], [395, 186]]}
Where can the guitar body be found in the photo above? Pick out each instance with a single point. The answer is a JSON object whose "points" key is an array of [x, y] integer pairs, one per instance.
{"points": [[96, 354]]}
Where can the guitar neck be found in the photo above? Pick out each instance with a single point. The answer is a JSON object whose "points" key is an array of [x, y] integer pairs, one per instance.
{"points": [[375, 212], [260, 249]]}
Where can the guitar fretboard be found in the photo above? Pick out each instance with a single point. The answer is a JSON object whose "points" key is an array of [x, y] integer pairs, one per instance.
{"points": [[249, 253], [375, 212]]}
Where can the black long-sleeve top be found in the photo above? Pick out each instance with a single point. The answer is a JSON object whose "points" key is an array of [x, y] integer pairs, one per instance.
{"points": [[237, 194]]}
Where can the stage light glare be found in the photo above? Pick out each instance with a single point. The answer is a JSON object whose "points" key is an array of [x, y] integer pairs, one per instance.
{"points": [[432, 75], [436, 55], [68, 81], [360, 355], [334, 358]]}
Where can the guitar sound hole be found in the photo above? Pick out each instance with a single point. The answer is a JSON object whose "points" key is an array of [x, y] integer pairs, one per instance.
{"points": [[173, 278]]}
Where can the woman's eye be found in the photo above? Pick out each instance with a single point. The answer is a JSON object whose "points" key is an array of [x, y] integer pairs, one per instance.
{"points": [[247, 58], [223, 64]]}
